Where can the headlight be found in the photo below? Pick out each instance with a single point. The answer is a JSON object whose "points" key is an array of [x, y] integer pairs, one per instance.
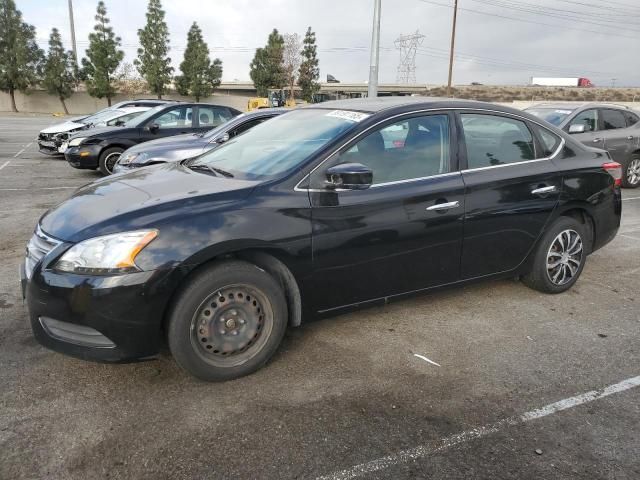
{"points": [[137, 158], [107, 255], [76, 141]]}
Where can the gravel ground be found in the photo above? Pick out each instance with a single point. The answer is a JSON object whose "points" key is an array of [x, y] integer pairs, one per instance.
{"points": [[342, 392]]}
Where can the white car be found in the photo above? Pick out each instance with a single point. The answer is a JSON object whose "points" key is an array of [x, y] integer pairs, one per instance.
{"points": [[53, 139]]}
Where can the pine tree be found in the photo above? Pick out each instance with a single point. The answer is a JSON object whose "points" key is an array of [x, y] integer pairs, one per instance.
{"points": [[200, 77], [267, 68], [59, 70], [309, 71], [103, 57], [20, 57], [153, 63]]}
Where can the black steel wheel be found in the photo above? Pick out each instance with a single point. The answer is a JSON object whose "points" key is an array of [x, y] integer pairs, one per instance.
{"points": [[227, 321]]}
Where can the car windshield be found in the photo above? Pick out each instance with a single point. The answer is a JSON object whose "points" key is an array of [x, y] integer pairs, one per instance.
{"points": [[142, 119], [555, 116], [279, 145]]}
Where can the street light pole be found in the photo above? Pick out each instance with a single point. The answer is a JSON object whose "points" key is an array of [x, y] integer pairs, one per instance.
{"points": [[73, 32], [453, 42], [372, 90]]}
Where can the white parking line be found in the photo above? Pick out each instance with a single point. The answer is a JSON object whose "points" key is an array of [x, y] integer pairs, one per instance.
{"points": [[427, 360], [631, 198], [406, 456], [5, 164]]}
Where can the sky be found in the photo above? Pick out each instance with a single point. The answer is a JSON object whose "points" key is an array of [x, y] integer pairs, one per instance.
{"points": [[600, 42]]}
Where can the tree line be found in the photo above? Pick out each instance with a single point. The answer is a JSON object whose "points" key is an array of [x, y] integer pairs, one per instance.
{"points": [[284, 61]]}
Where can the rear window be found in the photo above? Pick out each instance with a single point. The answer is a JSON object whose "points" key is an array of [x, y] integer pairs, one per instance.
{"points": [[612, 119], [631, 118], [555, 116]]}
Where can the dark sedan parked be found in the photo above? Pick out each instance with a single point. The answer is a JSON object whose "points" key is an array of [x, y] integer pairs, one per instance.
{"points": [[101, 147], [180, 147], [601, 125], [326, 208]]}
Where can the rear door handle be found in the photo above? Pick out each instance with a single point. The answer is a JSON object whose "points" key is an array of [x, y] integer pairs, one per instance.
{"points": [[444, 206], [630, 137], [596, 140], [543, 190]]}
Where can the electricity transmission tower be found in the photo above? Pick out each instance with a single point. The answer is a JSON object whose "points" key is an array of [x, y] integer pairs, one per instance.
{"points": [[408, 46]]}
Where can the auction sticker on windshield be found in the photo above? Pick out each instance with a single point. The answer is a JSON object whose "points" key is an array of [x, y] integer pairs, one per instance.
{"points": [[564, 112], [348, 115]]}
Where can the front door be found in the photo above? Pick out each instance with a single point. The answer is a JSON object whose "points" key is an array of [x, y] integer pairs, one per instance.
{"points": [[511, 191], [591, 120], [402, 234]]}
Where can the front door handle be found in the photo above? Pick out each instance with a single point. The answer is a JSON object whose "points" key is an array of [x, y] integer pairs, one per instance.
{"points": [[543, 190], [596, 140], [444, 206], [630, 137]]}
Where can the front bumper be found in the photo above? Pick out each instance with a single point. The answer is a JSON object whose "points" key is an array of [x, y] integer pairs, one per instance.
{"points": [[48, 147], [107, 319], [83, 157]]}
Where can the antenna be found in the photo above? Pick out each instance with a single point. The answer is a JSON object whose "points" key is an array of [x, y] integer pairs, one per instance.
{"points": [[408, 45]]}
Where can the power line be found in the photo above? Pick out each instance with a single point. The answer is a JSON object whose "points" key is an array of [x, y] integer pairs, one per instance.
{"points": [[530, 21]]}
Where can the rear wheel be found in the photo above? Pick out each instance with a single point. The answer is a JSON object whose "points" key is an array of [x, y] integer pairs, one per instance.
{"points": [[108, 159], [631, 173], [227, 322], [559, 258]]}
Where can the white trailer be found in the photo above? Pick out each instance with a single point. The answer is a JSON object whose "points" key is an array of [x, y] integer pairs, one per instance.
{"points": [[561, 82]]}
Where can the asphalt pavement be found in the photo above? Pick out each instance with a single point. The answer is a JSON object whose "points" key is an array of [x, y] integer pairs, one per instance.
{"points": [[489, 381]]}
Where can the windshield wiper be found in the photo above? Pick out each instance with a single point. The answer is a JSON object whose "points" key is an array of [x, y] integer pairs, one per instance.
{"points": [[224, 173], [214, 170]]}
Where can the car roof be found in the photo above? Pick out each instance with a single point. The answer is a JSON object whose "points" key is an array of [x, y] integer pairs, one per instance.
{"points": [[578, 105], [379, 104]]}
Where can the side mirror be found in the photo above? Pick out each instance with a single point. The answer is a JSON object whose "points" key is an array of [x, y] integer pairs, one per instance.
{"points": [[577, 128], [223, 139], [119, 123], [154, 127], [349, 176]]}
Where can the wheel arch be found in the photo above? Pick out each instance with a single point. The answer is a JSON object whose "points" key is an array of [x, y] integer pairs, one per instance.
{"points": [[581, 214]]}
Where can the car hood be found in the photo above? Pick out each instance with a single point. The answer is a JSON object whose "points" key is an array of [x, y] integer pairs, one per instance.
{"points": [[142, 198], [63, 127], [101, 132]]}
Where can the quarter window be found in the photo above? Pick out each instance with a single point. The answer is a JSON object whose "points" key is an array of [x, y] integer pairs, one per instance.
{"points": [[588, 118], [492, 140], [549, 141], [612, 119], [413, 148]]}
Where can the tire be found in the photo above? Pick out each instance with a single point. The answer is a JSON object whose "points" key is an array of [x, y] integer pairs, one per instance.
{"points": [[631, 172], [106, 161], [570, 262], [227, 322]]}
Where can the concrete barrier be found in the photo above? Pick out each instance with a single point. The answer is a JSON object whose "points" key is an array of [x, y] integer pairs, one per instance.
{"points": [[80, 103]]}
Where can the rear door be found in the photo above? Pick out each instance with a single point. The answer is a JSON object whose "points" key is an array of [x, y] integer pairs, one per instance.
{"points": [[404, 233], [591, 120], [511, 190], [619, 141]]}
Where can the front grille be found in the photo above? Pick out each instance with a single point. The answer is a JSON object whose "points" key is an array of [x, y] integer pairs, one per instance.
{"points": [[39, 245]]}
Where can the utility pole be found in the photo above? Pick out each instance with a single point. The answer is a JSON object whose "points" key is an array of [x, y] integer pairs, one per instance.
{"points": [[453, 42], [73, 32], [372, 90]]}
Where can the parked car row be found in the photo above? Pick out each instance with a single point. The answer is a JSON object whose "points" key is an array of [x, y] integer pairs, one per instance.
{"points": [[316, 211]]}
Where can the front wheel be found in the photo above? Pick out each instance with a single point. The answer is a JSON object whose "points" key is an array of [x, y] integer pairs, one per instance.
{"points": [[559, 258], [631, 173], [108, 159], [227, 322]]}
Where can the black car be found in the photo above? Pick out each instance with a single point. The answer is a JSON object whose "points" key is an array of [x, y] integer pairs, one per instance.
{"points": [[180, 147], [614, 128], [327, 208], [101, 147]]}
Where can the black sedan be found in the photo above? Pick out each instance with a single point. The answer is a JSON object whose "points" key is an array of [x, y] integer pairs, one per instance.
{"points": [[100, 148], [180, 147], [327, 208]]}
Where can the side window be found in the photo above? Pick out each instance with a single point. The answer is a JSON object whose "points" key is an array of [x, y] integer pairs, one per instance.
{"points": [[492, 140], [413, 148], [631, 118], [550, 142], [213, 116], [178, 117], [245, 126], [612, 119], [588, 118]]}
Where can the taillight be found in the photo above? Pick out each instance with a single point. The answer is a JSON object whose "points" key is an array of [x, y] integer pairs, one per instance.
{"points": [[615, 170]]}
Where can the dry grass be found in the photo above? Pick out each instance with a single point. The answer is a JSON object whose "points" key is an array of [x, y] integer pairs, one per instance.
{"points": [[490, 93]]}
